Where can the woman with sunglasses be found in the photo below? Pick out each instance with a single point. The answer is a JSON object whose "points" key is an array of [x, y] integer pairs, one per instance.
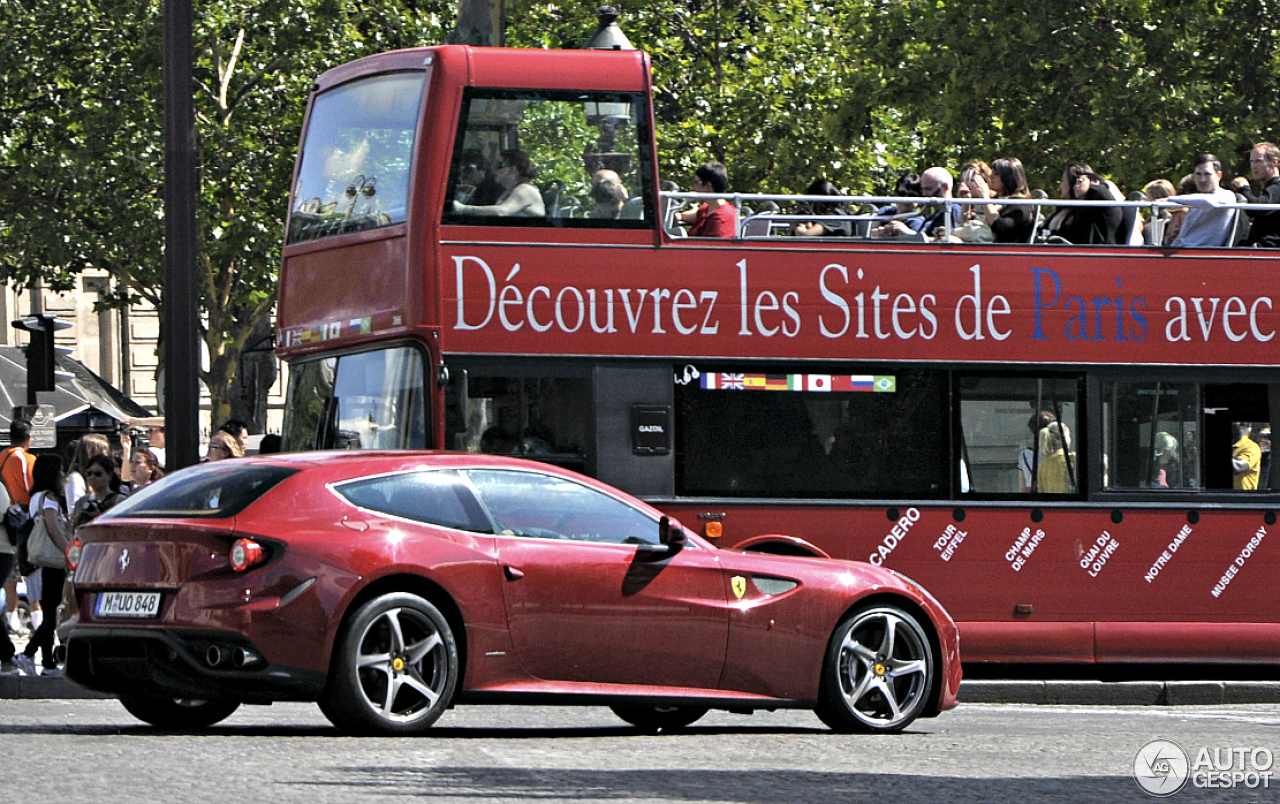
{"points": [[520, 199], [104, 490], [223, 445]]}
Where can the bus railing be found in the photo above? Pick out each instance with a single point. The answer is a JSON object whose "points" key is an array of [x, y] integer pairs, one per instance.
{"points": [[771, 223]]}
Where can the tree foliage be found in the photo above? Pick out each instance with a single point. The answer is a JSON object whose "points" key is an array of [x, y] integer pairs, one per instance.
{"points": [[860, 90], [782, 91], [82, 154]]}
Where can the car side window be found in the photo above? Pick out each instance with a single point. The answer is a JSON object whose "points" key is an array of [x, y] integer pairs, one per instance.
{"points": [[543, 506], [434, 497]]}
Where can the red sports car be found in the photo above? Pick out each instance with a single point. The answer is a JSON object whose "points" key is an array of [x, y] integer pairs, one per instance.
{"points": [[391, 586]]}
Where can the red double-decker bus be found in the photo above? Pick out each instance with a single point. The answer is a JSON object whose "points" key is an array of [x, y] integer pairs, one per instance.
{"points": [[1048, 438]]}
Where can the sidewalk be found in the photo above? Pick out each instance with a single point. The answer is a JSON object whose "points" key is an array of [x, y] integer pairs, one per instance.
{"points": [[1020, 691]]}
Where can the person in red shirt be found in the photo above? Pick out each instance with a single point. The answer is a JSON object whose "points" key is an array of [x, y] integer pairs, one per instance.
{"points": [[716, 218], [15, 473]]}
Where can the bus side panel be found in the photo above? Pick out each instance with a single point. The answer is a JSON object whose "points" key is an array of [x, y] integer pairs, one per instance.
{"points": [[1188, 642], [367, 279], [1156, 585], [735, 299]]}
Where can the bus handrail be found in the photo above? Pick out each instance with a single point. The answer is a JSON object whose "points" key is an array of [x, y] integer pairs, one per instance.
{"points": [[739, 200]]}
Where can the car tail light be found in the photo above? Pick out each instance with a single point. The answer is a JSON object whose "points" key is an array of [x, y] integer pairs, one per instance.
{"points": [[74, 550], [246, 553]]}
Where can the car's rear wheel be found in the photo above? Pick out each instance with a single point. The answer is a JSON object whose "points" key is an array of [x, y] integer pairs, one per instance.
{"points": [[394, 669], [178, 713], [659, 718], [878, 672]]}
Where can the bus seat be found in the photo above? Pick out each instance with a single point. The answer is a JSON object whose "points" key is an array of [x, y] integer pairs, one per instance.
{"points": [[1234, 235], [1130, 228], [551, 192], [633, 209]]}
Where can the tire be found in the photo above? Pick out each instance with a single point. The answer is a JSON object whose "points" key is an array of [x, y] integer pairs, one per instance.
{"points": [[654, 719], [178, 713], [878, 672], [394, 668]]}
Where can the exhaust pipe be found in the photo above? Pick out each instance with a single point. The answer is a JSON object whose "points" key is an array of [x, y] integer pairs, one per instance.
{"points": [[240, 657], [60, 653], [214, 656]]}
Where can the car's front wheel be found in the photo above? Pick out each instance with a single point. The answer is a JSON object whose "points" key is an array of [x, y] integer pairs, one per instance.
{"points": [[878, 672], [394, 669], [178, 713], [659, 718]]}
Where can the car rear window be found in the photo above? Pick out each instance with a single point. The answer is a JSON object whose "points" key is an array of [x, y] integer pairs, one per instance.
{"points": [[211, 491]]}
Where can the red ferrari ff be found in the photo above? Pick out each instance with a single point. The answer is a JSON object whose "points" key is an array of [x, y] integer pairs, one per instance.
{"points": [[391, 586]]}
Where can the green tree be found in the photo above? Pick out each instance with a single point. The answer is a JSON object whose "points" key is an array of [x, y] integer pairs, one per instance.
{"points": [[81, 151]]}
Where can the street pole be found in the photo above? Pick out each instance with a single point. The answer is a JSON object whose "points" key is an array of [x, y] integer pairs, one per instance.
{"points": [[180, 322]]}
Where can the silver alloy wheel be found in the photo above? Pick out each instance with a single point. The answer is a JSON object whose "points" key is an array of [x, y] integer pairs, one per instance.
{"points": [[884, 668], [402, 664]]}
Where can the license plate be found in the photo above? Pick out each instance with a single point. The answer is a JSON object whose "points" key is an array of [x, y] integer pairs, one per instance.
{"points": [[127, 604]]}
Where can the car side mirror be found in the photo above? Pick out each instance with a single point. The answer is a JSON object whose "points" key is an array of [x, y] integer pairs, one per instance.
{"points": [[671, 535]]}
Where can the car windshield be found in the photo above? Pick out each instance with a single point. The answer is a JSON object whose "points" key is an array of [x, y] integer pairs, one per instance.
{"points": [[210, 491]]}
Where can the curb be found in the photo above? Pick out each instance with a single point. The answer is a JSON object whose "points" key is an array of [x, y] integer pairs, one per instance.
{"points": [[19, 686], [1120, 693]]}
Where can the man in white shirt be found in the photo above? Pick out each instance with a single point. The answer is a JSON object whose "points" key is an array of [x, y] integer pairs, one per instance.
{"points": [[1208, 222]]}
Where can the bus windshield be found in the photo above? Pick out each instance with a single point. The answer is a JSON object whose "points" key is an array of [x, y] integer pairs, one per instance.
{"points": [[356, 157]]}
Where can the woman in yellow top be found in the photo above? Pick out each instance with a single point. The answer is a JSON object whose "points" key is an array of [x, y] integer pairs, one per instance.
{"points": [[1056, 474]]}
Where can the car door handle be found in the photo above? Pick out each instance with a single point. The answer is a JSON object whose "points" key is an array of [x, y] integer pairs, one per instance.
{"points": [[511, 572]]}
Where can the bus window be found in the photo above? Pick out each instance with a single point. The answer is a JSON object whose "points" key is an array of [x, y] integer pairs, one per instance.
{"points": [[812, 435], [356, 154], [538, 417], [1151, 435], [365, 400], [1019, 435], [1187, 435], [584, 148]]}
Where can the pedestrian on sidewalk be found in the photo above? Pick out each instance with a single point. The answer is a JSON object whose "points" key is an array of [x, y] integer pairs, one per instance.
{"points": [[15, 474], [46, 502], [8, 557]]}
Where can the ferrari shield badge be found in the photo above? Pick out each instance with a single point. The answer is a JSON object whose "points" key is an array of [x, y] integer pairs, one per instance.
{"points": [[739, 586]]}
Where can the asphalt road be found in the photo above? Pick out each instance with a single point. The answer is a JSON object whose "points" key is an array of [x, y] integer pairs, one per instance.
{"points": [[92, 750]]}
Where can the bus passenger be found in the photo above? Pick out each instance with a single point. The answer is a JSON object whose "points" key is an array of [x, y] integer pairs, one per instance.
{"points": [[1057, 462], [1207, 222], [1085, 225], [934, 183], [1164, 453], [1246, 457], [1028, 460], [975, 181], [608, 195], [520, 198], [1154, 191], [476, 185], [1264, 230], [1010, 223], [830, 228], [717, 218]]}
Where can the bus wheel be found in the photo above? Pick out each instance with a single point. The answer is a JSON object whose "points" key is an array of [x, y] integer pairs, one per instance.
{"points": [[654, 719], [394, 669], [878, 672], [178, 713]]}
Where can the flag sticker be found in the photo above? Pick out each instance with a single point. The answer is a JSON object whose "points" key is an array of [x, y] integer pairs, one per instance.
{"points": [[821, 383]]}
